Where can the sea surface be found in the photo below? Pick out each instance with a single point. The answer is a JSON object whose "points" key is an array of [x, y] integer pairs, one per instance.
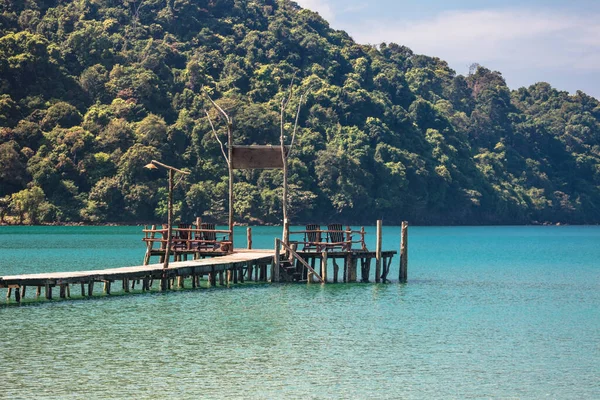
{"points": [[488, 312]]}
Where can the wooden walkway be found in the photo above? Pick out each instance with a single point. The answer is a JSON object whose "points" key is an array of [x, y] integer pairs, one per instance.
{"points": [[234, 265], [241, 265]]}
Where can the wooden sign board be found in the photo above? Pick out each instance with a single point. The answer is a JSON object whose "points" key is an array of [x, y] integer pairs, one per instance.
{"points": [[256, 157]]}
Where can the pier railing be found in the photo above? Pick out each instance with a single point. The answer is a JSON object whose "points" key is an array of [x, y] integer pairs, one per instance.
{"points": [[192, 238], [313, 239]]}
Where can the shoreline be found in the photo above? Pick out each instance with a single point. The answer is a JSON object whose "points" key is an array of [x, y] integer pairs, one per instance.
{"points": [[137, 223]]}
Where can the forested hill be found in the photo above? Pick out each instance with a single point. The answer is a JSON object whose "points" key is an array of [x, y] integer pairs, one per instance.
{"points": [[92, 90]]}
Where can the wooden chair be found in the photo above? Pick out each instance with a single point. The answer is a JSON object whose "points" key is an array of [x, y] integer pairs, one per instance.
{"points": [[312, 240], [209, 239], [336, 238], [181, 238]]}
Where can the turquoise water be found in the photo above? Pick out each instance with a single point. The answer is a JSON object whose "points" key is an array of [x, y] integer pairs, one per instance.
{"points": [[489, 312]]}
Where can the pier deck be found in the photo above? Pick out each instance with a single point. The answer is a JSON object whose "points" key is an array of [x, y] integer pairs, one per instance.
{"points": [[258, 265], [180, 268]]}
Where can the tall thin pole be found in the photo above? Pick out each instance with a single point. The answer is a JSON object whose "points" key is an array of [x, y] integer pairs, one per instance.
{"points": [[378, 252], [229, 151], [163, 283]]}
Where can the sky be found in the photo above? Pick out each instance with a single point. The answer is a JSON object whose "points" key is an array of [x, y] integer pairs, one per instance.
{"points": [[528, 41]]}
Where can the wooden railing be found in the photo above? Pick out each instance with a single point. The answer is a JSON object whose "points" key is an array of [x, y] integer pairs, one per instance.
{"points": [[278, 245], [192, 238], [320, 245]]}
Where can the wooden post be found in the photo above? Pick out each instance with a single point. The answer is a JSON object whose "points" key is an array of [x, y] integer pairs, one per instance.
{"points": [[347, 261], [212, 278], [61, 292], [48, 291], [169, 220], [230, 165], [286, 231], [38, 291], [8, 293], [249, 237], [362, 238], [275, 269], [23, 292], [248, 266], [403, 277], [180, 282], [18, 294], [107, 285], [324, 266], [198, 225], [126, 284], [352, 269], [336, 270], [250, 270], [221, 278], [90, 288], [378, 253]]}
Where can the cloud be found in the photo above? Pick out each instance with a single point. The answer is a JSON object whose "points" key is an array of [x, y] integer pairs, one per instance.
{"points": [[320, 6], [524, 38]]}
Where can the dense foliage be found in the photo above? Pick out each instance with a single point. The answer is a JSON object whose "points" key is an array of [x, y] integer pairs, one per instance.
{"points": [[92, 90]]}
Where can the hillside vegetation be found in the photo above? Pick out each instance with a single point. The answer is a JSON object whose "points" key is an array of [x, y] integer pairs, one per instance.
{"points": [[92, 90]]}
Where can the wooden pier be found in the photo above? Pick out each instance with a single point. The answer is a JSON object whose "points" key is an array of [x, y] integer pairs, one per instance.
{"points": [[230, 268], [331, 260]]}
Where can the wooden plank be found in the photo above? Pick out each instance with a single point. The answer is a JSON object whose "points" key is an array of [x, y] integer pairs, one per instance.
{"points": [[256, 157]]}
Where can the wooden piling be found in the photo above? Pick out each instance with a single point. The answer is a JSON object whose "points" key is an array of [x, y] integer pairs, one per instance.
{"points": [[275, 266], [48, 291], [82, 289], [90, 288], [378, 253], [180, 282], [107, 285], [336, 270], [403, 275], [352, 269], [8, 293], [18, 294], [212, 280], [23, 288], [38, 291], [249, 237], [221, 278], [324, 266], [248, 266]]}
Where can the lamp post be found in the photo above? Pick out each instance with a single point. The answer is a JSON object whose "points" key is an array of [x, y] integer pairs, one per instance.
{"points": [[153, 165]]}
